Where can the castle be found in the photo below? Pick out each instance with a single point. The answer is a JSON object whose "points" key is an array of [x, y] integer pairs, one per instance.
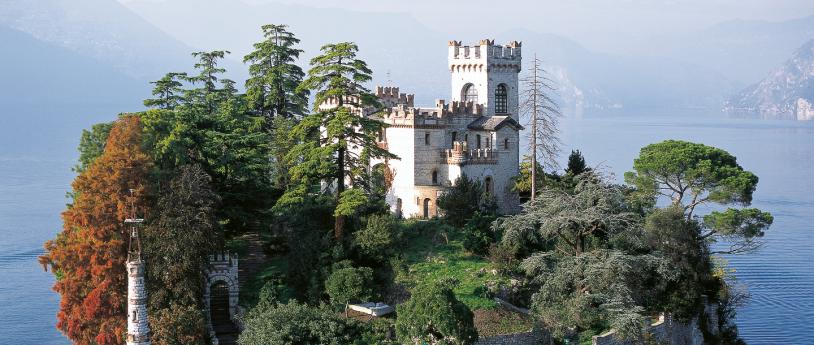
{"points": [[476, 133]]}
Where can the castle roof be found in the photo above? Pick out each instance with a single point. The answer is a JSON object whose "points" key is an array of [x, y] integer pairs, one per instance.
{"points": [[493, 123]]}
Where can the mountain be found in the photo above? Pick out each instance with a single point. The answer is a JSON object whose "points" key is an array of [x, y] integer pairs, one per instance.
{"points": [[743, 51], [100, 29], [402, 50], [787, 93], [50, 93], [36, 72], [590, 81]]}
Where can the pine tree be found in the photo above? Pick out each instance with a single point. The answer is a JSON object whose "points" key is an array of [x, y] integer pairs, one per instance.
{"points": [[168, 91], [209, 95], [336, 141], [274, 77], [88, 256], [544, 113]]}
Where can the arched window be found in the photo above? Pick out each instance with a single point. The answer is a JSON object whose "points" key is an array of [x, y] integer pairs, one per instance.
{"points": [[477, 140], [427, 208], [501, 100], [469, 93], [434, 177], [506, 144], [488, 184], [398, 208]]}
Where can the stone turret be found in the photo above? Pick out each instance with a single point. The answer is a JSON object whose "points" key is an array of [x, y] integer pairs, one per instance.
{"points": [[138, 329], [486, 74]]}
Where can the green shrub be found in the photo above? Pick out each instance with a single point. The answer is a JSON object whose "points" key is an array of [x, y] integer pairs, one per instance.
{"points": [[433, 315], [478, 235], [350, 284], [378, 240]]}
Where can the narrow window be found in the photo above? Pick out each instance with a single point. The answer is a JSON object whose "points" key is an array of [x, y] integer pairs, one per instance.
{"points": [[134, 316], [489, 142], [454, 137], [434, 177], [501, 99], [427, 138], [506, 144], [477, 140], [466, 138], [488, 184]]}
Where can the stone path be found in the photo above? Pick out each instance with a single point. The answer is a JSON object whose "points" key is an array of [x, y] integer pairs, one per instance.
{"points": [[249, 264]]}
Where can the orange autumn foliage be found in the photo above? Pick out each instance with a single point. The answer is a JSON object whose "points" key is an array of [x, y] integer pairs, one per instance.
{"points": [[88, 256]]}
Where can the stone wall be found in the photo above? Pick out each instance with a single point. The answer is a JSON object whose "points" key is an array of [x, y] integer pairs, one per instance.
{"points": [[669, 331]]}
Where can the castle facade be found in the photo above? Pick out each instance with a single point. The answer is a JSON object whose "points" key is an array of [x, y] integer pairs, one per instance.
{"points": [[476, 133]]}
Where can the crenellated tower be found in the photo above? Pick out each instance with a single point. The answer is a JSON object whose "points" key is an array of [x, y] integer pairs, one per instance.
{"points": [[486, 74], [138, 329]]}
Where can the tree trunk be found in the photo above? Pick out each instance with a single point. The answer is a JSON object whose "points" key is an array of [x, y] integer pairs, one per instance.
{"points": [[339, 220]]}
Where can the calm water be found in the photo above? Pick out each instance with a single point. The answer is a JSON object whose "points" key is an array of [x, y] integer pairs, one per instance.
{"points": [[779, 277]]}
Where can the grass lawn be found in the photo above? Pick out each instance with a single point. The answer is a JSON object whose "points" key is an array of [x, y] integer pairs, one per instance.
{"points": [[429, 257]]}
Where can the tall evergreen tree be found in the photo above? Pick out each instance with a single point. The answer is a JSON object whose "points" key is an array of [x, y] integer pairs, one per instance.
{"points": [[88, 256], [168, 91], [272, 91], [274, 77], [209, 95], [336, 141]]}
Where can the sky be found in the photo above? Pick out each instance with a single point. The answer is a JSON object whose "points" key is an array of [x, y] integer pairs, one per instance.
{"points": [[600, 24]]}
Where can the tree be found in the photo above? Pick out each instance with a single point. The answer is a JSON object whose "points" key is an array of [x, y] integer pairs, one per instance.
{"points": [[272, 87], [478, 234], [434, 316], [377, 241], [576, 164], [178, 325], [92, 144], [691, 175], [178, 241], [294, 323], [590, 265], [339, 138], [465, 197], [168, 91], [676, 238], [88, 256], [538, 103], [209, 95], [571, 220], [350, 284]]}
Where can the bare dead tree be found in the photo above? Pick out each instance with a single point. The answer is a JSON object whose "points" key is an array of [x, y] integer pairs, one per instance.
{"points": [[543, 114]]}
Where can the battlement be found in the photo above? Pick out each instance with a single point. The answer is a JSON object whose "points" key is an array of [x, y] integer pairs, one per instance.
{"points": [[390, 96], [486, 50], [459, 154], [223, 259]]}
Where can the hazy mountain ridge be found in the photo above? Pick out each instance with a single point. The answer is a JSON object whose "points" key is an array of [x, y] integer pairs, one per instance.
{"points": [[743, 51], [101, 29], [787, 93]]}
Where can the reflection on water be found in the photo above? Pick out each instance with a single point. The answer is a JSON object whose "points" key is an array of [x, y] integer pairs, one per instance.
{"points": [[779, 277]]}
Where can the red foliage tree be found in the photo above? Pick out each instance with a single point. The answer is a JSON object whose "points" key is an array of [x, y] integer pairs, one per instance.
{"points": [[88, 256]]}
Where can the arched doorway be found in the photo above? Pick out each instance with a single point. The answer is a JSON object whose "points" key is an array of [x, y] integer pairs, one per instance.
{"points": [[219, 306], [427, 208]]}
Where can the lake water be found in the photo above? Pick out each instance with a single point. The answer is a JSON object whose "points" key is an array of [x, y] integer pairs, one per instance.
{"points": [[780, 277]]}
